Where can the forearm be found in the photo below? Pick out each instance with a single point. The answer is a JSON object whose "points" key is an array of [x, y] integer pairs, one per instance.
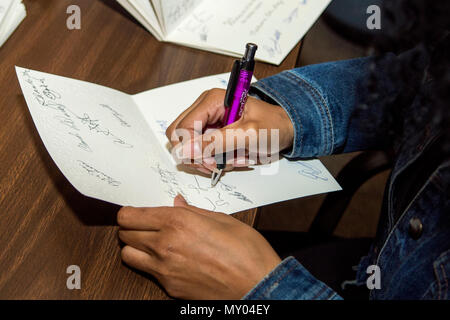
{"points": [[321, 101]]}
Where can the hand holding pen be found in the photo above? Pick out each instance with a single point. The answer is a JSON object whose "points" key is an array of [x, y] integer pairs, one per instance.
{"points": [[212, 109]]}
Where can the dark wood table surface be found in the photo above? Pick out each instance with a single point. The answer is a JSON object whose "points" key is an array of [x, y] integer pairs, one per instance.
{"points": [[45, 224]]}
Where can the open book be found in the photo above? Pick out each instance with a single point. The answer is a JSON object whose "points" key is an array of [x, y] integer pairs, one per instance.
{"points": [[12, 12], [112, 146], [225, 26]]}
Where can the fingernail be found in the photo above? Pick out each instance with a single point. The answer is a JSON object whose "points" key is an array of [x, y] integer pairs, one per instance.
{"points": [[210, 161], [240, 160]]}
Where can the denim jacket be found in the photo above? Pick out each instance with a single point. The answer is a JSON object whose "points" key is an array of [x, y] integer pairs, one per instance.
{"points": [[320, 100]]}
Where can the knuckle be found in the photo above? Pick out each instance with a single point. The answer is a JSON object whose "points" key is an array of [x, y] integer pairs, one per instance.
{"points": [[251, 126], [123, 215], [125, 254], [122, 236]]}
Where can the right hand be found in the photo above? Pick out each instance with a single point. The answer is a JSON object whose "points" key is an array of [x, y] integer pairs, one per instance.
{"points": [[196, 145]]}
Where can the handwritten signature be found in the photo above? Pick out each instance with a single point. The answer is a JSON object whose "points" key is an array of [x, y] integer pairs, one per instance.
{"points": [[274, 48], [81, 143], [48, 98], [98, 174], [117, 115], [310, 171]]}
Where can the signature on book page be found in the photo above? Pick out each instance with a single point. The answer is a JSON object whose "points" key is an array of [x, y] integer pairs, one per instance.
{"points": [[52, 102]]}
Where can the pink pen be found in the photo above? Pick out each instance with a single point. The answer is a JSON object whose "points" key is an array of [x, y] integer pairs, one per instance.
{"points": [[235, 98]]}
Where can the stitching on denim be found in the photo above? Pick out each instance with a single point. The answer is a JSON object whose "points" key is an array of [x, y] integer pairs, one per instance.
{"points": [[419, 193], [334, 294], [395, 175], [281, 277], [324, 103], [318, 294], [291, 108], [446, 281], [266, 279], [426, 292], [316, 100], [436, 272]]}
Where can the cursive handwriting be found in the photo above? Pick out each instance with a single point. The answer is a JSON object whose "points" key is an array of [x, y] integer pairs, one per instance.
{"points": [[244, 14], [274, 48], [198, 25], [50, 99], [266, 16], [169, 178], [310, 171], [163, 125], [117, 115], [94, 125], [98, 174], [81, 143]]}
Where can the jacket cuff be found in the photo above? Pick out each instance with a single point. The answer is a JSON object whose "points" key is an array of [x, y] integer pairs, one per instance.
{"points": [[291, 281], [307, 108]]}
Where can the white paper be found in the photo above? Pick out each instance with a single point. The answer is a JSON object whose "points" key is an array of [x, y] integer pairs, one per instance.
{"points": [[175, 11], [12, 13], [147, 20], [111, 146], [225, 26]]}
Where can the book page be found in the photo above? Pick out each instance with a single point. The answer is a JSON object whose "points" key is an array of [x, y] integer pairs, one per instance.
{"points": [[225, 26], [175, 11], [112, 146], [96, 136], [156, 5], [146, 20], [237, 190], [12, 13], [4, 7], [146, 9]]}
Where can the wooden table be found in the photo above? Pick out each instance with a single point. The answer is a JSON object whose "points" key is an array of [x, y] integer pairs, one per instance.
{"points": [[45, 224]]}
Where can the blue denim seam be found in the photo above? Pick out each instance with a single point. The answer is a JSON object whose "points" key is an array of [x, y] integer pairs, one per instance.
{"points": [[277, 271], [379, 258], [331, 297], [395, 174], [429, 288], [319, 293], [328, 127], [444, 275], [292, 112], [316, 104], [281, 277], [437, 272]]}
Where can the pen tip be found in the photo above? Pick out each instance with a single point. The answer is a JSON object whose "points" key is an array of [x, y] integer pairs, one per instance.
{"points": [[215, 177]]}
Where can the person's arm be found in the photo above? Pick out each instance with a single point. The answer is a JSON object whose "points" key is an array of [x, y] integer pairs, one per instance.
{"points": [[321, 101]]}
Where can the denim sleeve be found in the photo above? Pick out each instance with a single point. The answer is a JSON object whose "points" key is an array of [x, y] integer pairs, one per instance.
{"points": [[320, 101], [291, 281]]}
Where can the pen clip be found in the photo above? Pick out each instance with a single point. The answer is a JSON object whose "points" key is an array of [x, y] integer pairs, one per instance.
{"points": [[232, 83]]}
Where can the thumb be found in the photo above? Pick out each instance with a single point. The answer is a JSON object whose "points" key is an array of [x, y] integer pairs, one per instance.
{"points": [[179, 201]]}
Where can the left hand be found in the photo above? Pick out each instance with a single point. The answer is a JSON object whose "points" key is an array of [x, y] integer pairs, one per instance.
{"points": [[195, 253]]}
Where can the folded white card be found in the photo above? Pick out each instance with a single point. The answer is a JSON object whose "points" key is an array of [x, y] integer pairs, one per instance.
{"points": [[225, 26], [112, 146], [12, 12]]}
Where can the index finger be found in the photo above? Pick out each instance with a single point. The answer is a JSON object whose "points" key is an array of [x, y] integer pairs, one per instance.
{"points": [[171, 129], [208, 109], [143, 219]]}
